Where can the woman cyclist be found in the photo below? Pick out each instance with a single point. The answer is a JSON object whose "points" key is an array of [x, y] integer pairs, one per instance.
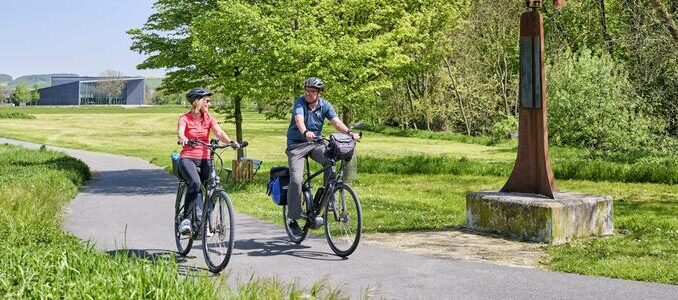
{"points": [[196, 124]]}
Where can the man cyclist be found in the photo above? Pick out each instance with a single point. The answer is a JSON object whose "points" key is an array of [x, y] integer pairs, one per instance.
{"points": [[308, 115]]}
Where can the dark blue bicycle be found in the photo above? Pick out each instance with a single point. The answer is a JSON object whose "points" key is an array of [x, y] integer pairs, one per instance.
{"points": [[215, 224], [336, 203]]}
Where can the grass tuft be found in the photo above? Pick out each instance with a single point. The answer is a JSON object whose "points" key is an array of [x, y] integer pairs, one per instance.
{"points": [[16, 115]]}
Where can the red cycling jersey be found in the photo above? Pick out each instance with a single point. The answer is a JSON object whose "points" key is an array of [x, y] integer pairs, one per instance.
{"points": [[197, 130]]}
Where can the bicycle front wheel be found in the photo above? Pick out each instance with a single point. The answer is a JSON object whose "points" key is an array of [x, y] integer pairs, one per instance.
{"points": [[344, 220], [218, 232], [184, 242]]}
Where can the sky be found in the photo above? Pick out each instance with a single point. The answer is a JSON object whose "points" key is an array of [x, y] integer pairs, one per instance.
{"points": [[86, 37]]}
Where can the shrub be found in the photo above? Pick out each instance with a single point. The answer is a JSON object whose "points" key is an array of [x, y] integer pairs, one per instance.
{"points": [[649, 169], [504, 128], [593, 105], [16, 115]]}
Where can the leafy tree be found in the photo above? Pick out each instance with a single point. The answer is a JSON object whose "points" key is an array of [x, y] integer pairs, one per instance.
{"points": [[111, 84], [35, 94], [481, 67], [22, 93]]}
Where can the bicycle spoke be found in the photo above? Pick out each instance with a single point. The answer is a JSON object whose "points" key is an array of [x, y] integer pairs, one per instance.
{"points": [[218, 232], [183, 242], [344, 227]]}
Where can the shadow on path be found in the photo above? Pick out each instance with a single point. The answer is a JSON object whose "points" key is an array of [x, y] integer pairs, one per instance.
{"points": [[279, 246], [132, 182], [154, 255]]}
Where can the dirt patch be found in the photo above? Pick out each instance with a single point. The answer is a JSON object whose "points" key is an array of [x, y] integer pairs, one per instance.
{"points": [[463, 245]]}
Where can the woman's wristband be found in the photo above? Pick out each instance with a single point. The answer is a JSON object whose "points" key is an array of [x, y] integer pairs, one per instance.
{"points": [[305, 132]]}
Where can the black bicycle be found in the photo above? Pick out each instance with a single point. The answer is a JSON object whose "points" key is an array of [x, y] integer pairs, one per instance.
{"points": [[336, 203], [215, 225]]}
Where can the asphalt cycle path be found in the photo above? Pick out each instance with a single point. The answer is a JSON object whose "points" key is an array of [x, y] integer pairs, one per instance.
{"points": [[128, 205]]}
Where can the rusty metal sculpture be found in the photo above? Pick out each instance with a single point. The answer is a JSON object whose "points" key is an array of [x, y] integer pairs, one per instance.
{"points": [[532, 172]]}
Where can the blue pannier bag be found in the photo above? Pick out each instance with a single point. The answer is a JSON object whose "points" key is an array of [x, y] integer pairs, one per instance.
{"points": [[277, 184]]}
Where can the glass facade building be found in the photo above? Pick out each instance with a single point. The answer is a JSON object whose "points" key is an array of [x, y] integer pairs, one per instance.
{"points": [[70, 90]]}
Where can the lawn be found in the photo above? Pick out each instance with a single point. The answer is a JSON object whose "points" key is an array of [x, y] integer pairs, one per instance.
{"points": [[412, 198], [40, 261]]}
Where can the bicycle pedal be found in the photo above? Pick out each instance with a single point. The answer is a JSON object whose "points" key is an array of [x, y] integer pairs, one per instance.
{"points": [[317, 222]]}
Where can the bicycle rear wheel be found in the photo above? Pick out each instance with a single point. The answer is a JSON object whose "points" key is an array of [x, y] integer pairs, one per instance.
{"points": [[218, 232], [303, 222], [184, 242], [343, 220]]}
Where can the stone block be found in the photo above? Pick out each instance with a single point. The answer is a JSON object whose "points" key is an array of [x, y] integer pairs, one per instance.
{"points": [[539, 219]]}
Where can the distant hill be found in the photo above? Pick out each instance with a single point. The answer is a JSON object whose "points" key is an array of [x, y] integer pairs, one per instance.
{"points": [[42, 80], [4, 78], [45, 80]]}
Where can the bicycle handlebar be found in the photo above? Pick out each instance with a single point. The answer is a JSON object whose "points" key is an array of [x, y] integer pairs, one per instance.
{"points": [[321, 138], [214, 144]]}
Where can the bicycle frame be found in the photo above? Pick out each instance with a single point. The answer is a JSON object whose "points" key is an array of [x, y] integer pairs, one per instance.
{"points": [[209, 187], [307, 186]]}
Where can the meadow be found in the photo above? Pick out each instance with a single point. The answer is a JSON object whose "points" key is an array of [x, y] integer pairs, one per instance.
{"points": [[38, 260], [411, 183]]}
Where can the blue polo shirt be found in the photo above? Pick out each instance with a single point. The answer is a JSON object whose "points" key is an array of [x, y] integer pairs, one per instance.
{"points": [[313, 119]]}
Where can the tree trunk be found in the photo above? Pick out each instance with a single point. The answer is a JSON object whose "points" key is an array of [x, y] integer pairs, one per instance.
{"points": [[668, 19], [346, 115], [607, 41], [456, 94], [411, 101], [237, 100]]}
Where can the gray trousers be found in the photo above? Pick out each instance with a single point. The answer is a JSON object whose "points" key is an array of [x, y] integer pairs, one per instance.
{"points": [[295, 161]]}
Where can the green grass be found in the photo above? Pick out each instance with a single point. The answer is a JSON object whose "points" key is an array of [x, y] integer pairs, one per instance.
{"points": [[94, 109], [645, 244], [16, 115], [653, 170], [39, 260], [412, 183]]}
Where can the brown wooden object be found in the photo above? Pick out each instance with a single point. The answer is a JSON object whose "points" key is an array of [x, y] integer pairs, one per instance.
{"points": [[532, 172], [243, 170]]}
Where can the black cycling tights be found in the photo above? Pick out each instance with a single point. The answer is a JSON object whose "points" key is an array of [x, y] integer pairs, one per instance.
{"points": [[195, 171]]}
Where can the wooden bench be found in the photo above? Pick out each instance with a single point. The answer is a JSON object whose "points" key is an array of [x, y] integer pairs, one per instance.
{"points": [[243, 169]]}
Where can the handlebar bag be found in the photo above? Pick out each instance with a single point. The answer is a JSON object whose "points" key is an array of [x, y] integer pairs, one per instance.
{"points": [[341, 147], [277, 184]]}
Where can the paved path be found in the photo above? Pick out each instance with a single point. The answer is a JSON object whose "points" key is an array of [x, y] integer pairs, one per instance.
{"points": [[128, 204]]}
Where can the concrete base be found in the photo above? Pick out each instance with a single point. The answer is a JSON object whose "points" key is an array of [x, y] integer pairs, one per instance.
{"points": [[539, 219]]}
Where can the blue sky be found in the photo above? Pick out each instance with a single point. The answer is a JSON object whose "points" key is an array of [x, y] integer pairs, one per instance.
{"points": [[86, 37]]}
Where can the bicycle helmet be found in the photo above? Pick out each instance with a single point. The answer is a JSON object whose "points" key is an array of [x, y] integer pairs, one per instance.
{"points": [[197, 93], [314, 82]]}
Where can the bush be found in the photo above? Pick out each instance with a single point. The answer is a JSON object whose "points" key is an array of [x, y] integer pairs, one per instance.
{"points": [[426, 134], [593, 105], [16, 115], [644, 170], [504, 128]]}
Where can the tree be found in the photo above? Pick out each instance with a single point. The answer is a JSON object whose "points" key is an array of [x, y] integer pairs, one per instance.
{"points": [[261, 51], [22, 93], [35, 94], [110, 84], [169, 40]]}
